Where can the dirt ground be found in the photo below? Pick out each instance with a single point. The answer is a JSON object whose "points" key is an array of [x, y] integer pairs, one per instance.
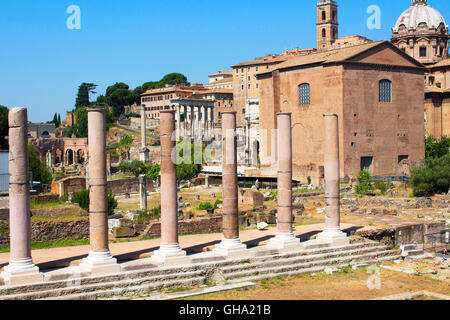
{"points": [[346, 285]]}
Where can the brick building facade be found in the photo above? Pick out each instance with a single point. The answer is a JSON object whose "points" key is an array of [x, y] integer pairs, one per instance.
{"points": [[377, 91]]}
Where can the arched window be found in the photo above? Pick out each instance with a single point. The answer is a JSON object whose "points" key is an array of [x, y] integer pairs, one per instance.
{"points": [[324, 33], [304, 94], [385, 90]]}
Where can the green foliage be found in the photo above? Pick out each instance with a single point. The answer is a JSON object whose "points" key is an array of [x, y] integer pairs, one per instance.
{"points": [[169, 79], [155, 213], [117, 96], [383, 186], [83, 95], [80, 129], [4, 128], [188, 169], [153, 172], [309, 180], [126, 141], [433, 178], [56, 120], [39, 168], [216, 204], [82, 199], [205, 206], [364, 185], [136, 167], [436, 148]]}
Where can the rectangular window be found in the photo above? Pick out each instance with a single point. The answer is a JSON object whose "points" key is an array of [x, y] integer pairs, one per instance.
{"points": [[423, 51], [401, 158], [256, 68], [304, 95], [366, 163], [385, 91]]}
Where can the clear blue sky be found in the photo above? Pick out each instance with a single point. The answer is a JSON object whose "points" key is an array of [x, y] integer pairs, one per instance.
{"points": [[42, 62]]}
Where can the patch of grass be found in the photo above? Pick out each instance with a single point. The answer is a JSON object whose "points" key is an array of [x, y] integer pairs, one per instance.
{"points": [[52, 244]]}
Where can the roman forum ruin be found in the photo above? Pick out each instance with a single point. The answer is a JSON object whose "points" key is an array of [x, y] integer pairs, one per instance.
{"points": [[99, 260]]}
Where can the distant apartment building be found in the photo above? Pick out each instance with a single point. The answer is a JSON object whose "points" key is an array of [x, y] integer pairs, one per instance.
{"points": [[156, 100], [246, 86], [220, 80]]}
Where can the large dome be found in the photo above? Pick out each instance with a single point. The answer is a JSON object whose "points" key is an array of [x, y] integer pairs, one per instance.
{"points": [[419, 12]]}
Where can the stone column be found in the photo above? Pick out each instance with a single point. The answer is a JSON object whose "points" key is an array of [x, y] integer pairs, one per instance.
{"points": [[285, 239], [21, 269], [99, 260], [169, 252], [192, 122], [332, 232], [143, 192], [143, 151], [231, 245], [185, 121], [178, 119]]}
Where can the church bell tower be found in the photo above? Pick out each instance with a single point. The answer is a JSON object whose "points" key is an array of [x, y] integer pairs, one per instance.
{"points": [[327, 23]]}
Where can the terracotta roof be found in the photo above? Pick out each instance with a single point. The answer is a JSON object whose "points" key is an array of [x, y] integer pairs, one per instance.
{"points": [[221, 73], [443, 63], [263, 60], [330, 56]]}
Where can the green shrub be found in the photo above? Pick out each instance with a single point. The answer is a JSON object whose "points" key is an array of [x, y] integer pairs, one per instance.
{"points": [[437, 148], [431, 179], [216, 204], [155, 213], [364, 185], [205, 206], [82, 199], [383, 186]]}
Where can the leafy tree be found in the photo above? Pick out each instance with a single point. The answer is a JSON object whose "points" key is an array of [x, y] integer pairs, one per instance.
{"points": [[39, 168], [436, 148], [174, 79], [138, 91], [59, 119], [432, 178], [118, 96], [4, 128], [83, 94], [125, 143]]}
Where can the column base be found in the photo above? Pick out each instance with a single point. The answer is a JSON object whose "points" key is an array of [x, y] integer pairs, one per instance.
{"points": [[170, 255], [231, 248], [284, 242], [99, 263], [334, 236], [21, 272]]}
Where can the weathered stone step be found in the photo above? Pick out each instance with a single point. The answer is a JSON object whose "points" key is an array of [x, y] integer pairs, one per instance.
{"points": [[416, 252], [309, 258], [298, 272], [77, 288], [139, 289], [297, 266], [318, 250]]}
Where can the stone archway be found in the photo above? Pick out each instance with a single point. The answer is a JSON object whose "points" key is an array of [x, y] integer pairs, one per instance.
{"points": [[70, 157], [80, 156]]}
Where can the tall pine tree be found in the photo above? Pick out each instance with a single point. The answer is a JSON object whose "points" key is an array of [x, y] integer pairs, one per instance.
{"points": [[83, 94]]}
